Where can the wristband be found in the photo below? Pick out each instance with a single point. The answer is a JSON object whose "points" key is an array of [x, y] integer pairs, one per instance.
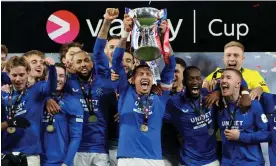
{"points": [[125, 34], [245, 92]]}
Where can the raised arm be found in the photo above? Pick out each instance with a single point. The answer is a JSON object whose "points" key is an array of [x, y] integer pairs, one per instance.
{"points": [[167, 74], [101, 60], [117, 66], [49, 86]]}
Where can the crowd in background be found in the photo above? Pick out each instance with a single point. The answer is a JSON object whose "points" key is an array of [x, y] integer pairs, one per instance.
{"points": [[105, 110]]}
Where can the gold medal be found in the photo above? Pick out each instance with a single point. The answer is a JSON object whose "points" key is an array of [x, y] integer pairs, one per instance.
{"points": [[50, 128], [144, 128], [92, 118], [11, 130]]}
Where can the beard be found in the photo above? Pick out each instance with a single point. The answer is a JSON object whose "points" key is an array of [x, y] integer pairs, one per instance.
{"points": [[84, 77]]}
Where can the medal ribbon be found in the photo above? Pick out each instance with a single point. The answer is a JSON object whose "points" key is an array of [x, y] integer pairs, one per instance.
{"points": [[232, 115], [166, 45], [145, 109], [199, 110], [88, 97], [11, 108], [51, 117]]}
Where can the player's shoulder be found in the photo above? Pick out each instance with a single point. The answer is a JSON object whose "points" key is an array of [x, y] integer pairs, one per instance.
{"points": [[256, 105], [250, 71]]}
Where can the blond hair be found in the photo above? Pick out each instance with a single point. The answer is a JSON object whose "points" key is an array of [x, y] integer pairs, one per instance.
{"points": [[234, 44]]}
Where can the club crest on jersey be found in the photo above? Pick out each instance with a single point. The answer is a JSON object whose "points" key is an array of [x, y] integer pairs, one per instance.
{"points": [[264, 118], [61, 103], [99, 91], [262, 83]]}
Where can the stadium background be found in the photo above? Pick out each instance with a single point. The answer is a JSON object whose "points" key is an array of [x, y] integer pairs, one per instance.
{"points": [[23, 28]]}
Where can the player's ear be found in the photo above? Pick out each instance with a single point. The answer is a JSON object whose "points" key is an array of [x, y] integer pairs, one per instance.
{"points": [[132, 80], [238, 85]]}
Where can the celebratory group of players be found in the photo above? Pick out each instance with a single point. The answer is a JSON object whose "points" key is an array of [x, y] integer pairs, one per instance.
{"points": [[59, 113]]}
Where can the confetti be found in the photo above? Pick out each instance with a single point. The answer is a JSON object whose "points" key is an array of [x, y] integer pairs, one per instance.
{"points": [[267, 53], [189, 57], [257, 56], [274, 55], [264, 71], [273, 69], [260, 67], [256, 5], [274, 64]]}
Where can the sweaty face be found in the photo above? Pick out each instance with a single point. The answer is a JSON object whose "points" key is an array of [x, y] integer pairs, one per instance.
{"points": [[143, 80], [70, 53], [82, 63], [194, 82], [128, 62], [19, 77], [110, 47], [61, 78], [233, 57], [36, 64], [229, 83], [178, 76]]}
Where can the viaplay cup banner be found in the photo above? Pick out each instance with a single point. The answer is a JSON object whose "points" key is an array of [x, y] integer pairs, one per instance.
{"points": [[198, 30]]}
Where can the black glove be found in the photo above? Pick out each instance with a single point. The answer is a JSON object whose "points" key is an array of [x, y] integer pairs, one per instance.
{"points": [[14, 160], [19, 122]]}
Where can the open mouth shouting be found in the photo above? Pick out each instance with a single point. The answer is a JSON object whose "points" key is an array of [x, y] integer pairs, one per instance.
{"points": [[195, 90], [224, 88], [145, 84], [39, 70], [232, 65]]}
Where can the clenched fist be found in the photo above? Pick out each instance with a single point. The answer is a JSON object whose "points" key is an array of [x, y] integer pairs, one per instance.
{"points": [[111, 14]]}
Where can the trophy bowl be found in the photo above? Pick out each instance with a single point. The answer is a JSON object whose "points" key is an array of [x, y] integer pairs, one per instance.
{"points": [[146, 16], [145, 32]]}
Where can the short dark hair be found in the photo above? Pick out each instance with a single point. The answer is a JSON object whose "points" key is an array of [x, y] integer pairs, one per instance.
{"points": [[238, 73], [186, 72], [16, 61], [181, 62], [61, 65], [129, 52], [138, 67], [65, 47]]}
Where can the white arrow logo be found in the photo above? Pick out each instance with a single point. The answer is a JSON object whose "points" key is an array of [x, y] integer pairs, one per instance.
{"points": [[65, 27]]}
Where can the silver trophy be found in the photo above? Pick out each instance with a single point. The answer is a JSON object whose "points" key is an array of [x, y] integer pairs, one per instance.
{"points": [[145, 37]]}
